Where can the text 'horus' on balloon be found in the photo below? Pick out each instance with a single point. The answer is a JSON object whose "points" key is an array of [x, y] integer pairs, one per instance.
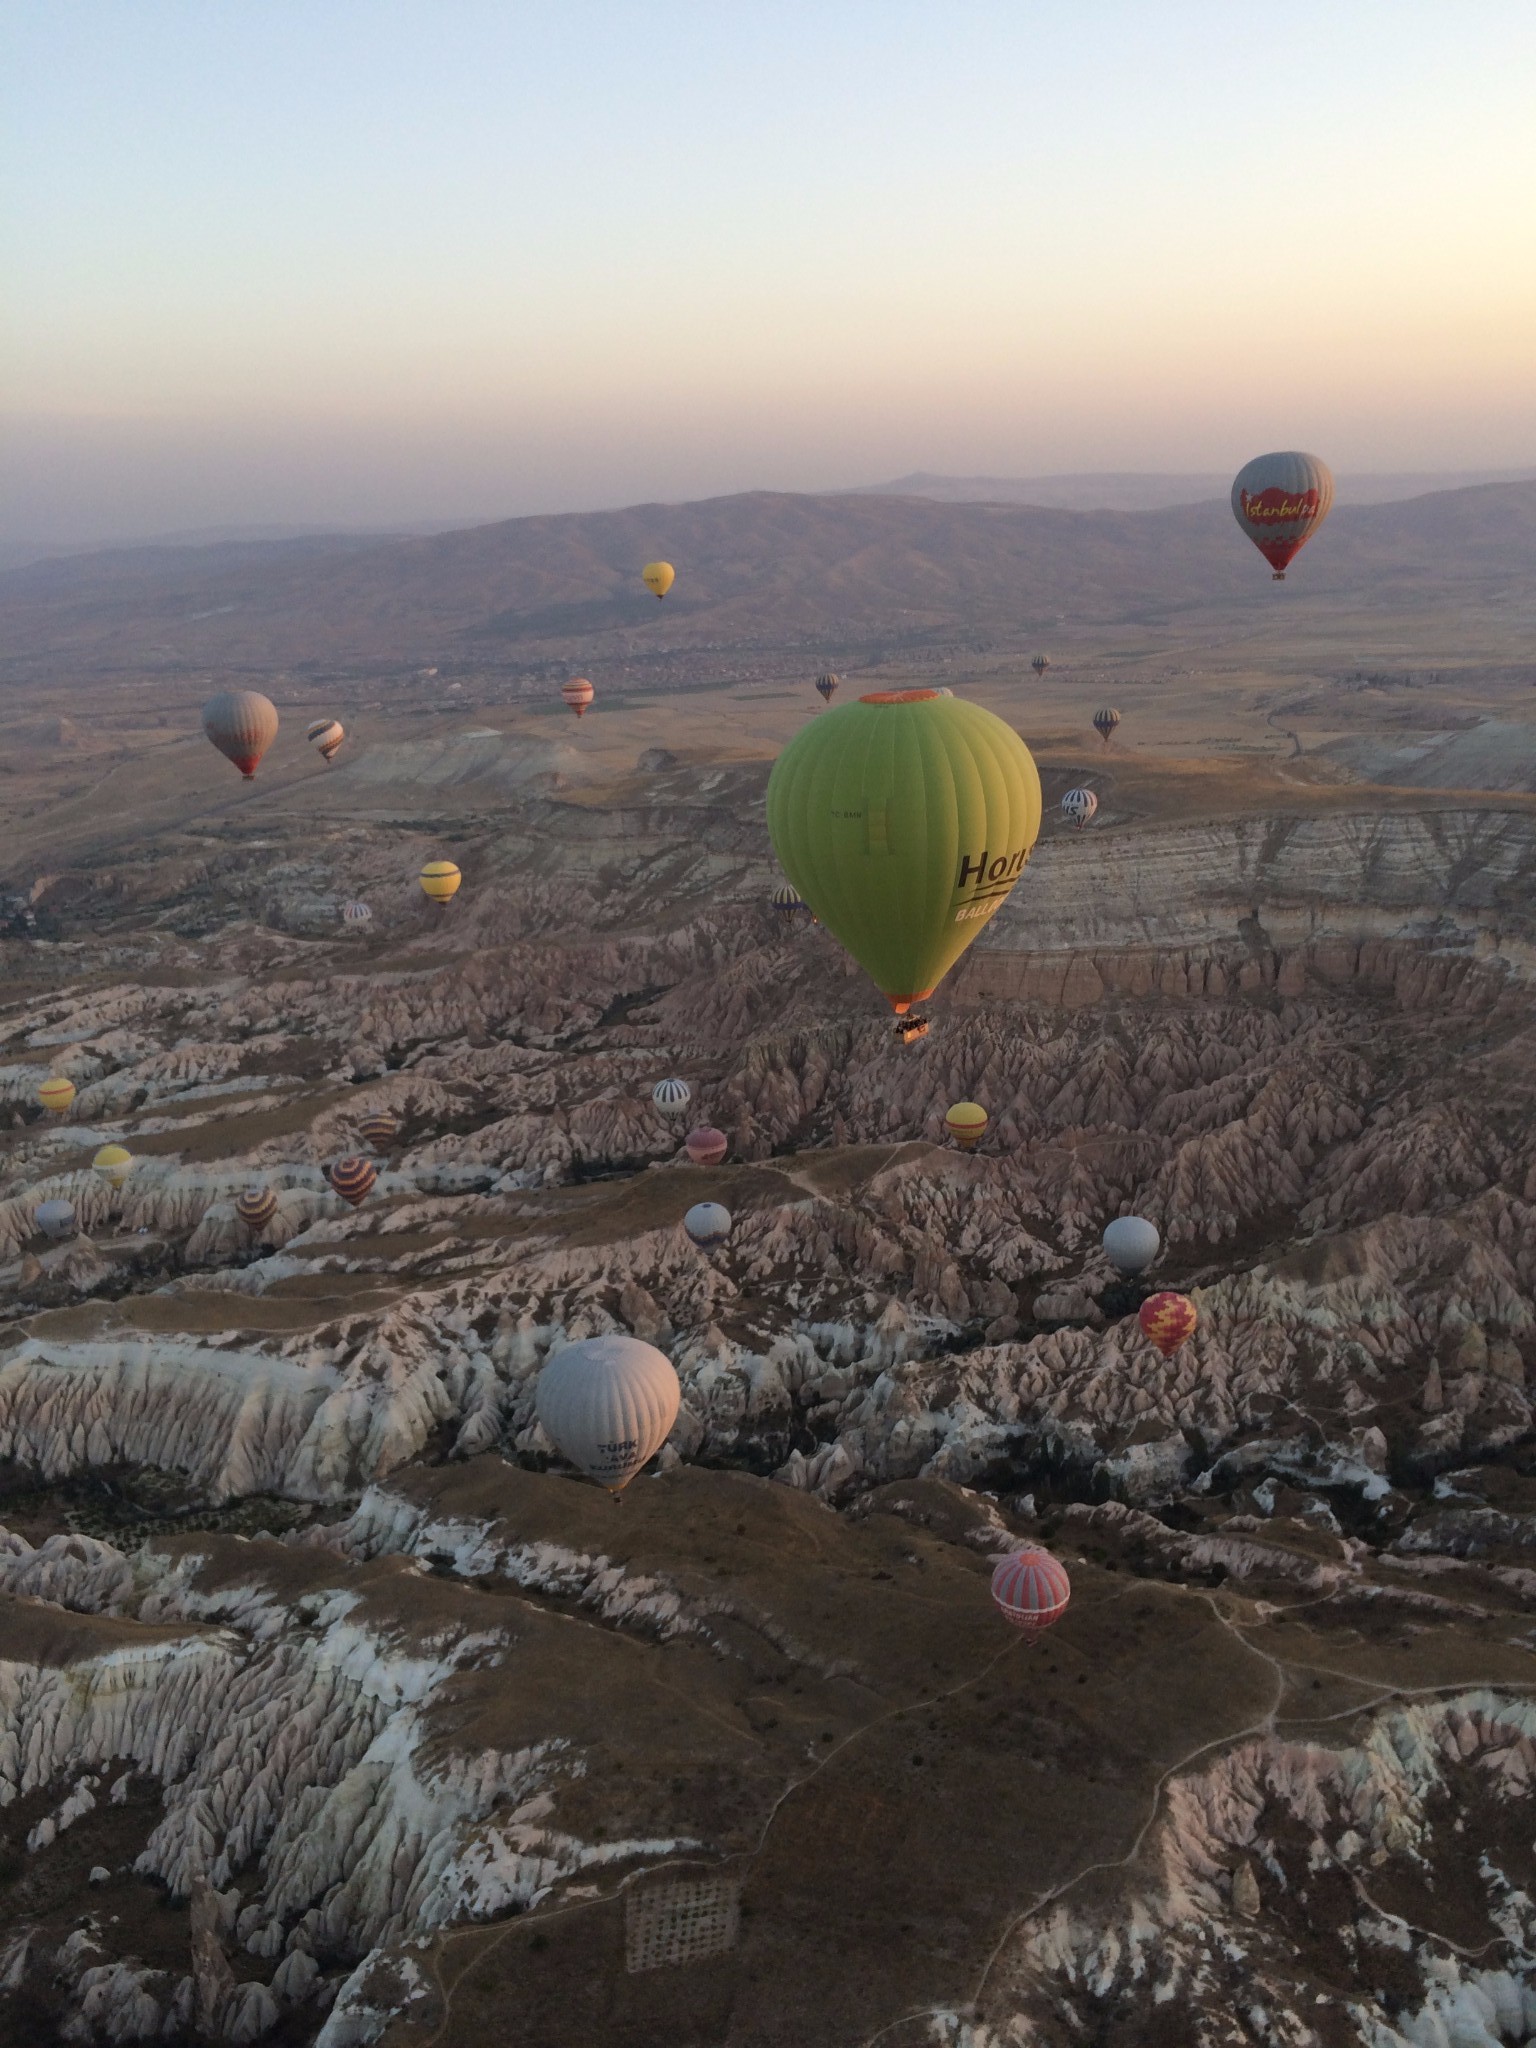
{"points": [[1007, 866]]}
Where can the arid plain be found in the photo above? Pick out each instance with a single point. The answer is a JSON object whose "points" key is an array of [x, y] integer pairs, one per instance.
{"points": [[332, 1709]]}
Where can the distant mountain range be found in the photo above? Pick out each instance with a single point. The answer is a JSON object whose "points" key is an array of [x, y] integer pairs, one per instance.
{"points": [[1150, 491], [863, 572]]}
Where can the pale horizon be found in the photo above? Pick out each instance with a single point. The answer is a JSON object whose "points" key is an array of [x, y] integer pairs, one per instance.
{"points": [[350, 266]]}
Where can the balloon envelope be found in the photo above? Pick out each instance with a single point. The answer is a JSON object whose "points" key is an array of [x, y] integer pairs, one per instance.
{"points": [[256, 1208], [1078, 806], [658, 577], [1040, 664], [56, 1093], [1031, 1589], [55, 1218], [578, 693], [242, 724], [672, 1096], [353, 1179], [1104, 723], [608, 1403], [114, 1163], [379, 1129], [904, 819], [966, 1123], [788, 902], [1131, 1243], [356, 913], [440, 879], [327, 734], [706, 1146], [1280, 500], [827, 686], [708, 1224], [1168, 1320]]}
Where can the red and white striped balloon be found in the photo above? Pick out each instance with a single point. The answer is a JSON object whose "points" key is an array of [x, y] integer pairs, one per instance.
{"points": [[1032, 1590]]}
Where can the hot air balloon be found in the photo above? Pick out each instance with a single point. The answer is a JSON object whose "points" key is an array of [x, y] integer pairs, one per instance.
{"points": [[966, 1123], [608, 1403], [1040, 664], [1131, 1243], [787, 903], [658, 577], [353, 1179], [440, 880], [327, 734], [944, 691], [56, 1093], [708, 1224], [242, 724], [1168, 1319], [55, 1219], [114, 1163], [1104, 723], [706, 1146], [826, 686], [904, 820], [256, 1208], [356, 913], [672, 1096], [578, 693], [1078, 806], [379, 1129], [1032, 1590], [1280, 501]]}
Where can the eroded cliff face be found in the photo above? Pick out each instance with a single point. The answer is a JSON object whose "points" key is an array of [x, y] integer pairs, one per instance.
{"points": [[310, 1638]]}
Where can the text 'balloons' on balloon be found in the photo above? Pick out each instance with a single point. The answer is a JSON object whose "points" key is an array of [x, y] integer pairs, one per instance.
{"points": [[352, 1178], [672, 1096], [578, 694], [1032, 1590], [966, 1123], [56, 1093], [440, 881], [658, 577], [1168, 1320], [706, 1146], [904, 819], [256, 1207], [1131, 1243], [1040, 664], [1078, 807], [827, 686], [356, 913], [607, 1403], [327, 735], [379, 1129], [1280, 500], [708, 1225], [242, 724], [114, 1163], [55, 1218], [1104, 723]]}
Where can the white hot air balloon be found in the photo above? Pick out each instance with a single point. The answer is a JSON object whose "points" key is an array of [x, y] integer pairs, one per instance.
{"points": [[672, 1096], [1078, 806], [708, 1224], [356, 913], [55, 1218], [608, 1402], [1131, 1243]]}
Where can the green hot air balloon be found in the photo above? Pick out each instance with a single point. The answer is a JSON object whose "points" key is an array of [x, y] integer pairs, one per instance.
{"points": [[904, 820]]}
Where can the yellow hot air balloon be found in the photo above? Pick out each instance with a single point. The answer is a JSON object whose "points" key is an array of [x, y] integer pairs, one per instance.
{"points": [[56, 1093], [966, 1123], [904, 820], [440, 880], [658, 577], [114, 1164]]}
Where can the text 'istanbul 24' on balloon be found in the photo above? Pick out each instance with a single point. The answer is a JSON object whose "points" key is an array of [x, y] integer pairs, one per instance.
{"points": [[1280, 501], [904, 819]]}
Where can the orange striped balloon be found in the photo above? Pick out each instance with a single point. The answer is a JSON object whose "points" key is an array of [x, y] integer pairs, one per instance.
{"points": [[1031, 1589], [379, 1129], [578, 693], [353, 1179], [1169, 1320]]}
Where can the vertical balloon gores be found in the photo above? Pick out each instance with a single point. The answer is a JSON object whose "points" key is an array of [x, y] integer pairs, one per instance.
{"points": [[904, 820]]}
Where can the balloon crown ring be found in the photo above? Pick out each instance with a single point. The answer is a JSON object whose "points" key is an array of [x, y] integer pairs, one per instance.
{"points": [[898, 696]]}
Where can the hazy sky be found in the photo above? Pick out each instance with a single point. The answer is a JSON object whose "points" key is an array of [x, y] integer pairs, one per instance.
{"points": [[362, 261]]}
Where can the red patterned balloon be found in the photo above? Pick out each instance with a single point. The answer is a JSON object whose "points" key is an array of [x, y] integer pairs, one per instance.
{"points": [[706, 1146], [1031, 1589], [1169, 1320], [1280, 501]]}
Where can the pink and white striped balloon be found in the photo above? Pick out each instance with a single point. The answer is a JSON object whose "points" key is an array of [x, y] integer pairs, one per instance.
{"points": [[1032, 1590]]}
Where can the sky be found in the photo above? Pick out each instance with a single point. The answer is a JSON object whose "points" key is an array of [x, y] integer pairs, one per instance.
{"points": [[371, 262]]}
